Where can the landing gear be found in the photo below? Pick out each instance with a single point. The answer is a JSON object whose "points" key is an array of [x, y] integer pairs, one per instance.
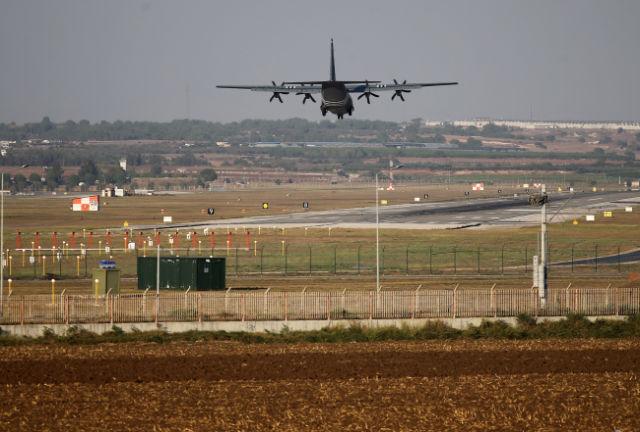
{"points": [[350, 112], [324, 113]]}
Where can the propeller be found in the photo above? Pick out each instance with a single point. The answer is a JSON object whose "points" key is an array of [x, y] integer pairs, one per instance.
{"points": [[367, 94], [276, 95], [306, 96], [399, 92]]}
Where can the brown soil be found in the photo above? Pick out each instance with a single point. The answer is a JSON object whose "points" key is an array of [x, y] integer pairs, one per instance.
{"points": [[438, 385]]}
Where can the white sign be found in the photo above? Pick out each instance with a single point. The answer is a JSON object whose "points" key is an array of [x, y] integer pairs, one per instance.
{"points": [[32, 260], [570, 189], [416, 199], [591, 218], [628, 209], [150, 243], [107, 249], [188, 236], [166, 219], [526, 185], [132, 246], [206, 231]]}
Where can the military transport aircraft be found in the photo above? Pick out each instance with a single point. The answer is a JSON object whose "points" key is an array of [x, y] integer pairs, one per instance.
{"points": [[335, 94]]}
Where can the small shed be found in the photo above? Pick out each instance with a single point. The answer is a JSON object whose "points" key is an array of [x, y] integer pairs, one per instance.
{"points": [[182, 273]]}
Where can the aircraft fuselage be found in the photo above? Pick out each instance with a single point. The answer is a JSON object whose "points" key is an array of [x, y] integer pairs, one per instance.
{"points": [[336, 99]]}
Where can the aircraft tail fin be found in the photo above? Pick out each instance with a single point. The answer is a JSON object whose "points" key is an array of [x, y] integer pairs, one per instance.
{"points": [[333, 64]]}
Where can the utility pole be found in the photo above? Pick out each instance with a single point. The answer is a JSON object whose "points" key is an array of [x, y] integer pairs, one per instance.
{"points": [[540, 261], [542, 278]]}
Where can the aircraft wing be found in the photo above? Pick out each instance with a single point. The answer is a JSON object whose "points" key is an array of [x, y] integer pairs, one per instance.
{"points": [[361, 88], [284, 89]]}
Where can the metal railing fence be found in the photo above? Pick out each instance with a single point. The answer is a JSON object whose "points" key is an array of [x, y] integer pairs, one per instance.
{"points": [[284, 306]]}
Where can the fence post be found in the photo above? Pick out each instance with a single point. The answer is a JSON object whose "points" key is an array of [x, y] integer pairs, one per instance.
{"points": [[329, 306], [66, 310], [199, 306], [157, 302], [261, 249], [382, 261], [21, 310], [535, 305], [454, 301], [243, 307], [286, 309], [617, 303], [495, 301], [575, 303], [111, 307], [412, 305], [455, 264], [407, 260]]}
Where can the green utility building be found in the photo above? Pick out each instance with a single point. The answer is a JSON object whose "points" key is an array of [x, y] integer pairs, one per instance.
{"points": [[178, 273]]}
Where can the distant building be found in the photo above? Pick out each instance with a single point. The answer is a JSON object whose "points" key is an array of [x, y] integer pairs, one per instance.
{"points": [[479, 122]]}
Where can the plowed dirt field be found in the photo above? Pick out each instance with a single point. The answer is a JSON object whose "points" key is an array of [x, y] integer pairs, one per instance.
{"points": [[395, 386]]}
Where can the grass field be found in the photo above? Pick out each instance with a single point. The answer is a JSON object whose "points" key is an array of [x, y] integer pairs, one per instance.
{"points": [[339, 251]]}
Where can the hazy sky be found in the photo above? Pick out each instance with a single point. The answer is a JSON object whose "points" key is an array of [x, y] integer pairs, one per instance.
{"points": [[132, 60]]}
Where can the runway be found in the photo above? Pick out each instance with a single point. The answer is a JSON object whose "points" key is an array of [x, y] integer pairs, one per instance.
{"points": [[479, 213]]}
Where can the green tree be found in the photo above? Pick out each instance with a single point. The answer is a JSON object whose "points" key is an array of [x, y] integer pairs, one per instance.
{"points": [[151, 186], [21, 181], [199, 183], [167, 185], [598, 150], [208, 174], [73, 180], [88, 167], [156, 170], [278, 182], [581, 139]]}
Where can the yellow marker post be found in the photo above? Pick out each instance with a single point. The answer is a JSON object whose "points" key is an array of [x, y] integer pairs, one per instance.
{"points": [[255, 248], [84, 233], [78, 260], [97, 291], [39, 253], [329, 232], [282, 247], [100, 248], [53, 291], [44, 259], [10, 264], [144, 249], [258, 229], [9, 280], [23, 257], [199, 247], [305, 232]]}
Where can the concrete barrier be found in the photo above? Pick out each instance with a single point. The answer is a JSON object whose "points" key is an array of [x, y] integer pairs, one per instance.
{"points": [[34, 330]]}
